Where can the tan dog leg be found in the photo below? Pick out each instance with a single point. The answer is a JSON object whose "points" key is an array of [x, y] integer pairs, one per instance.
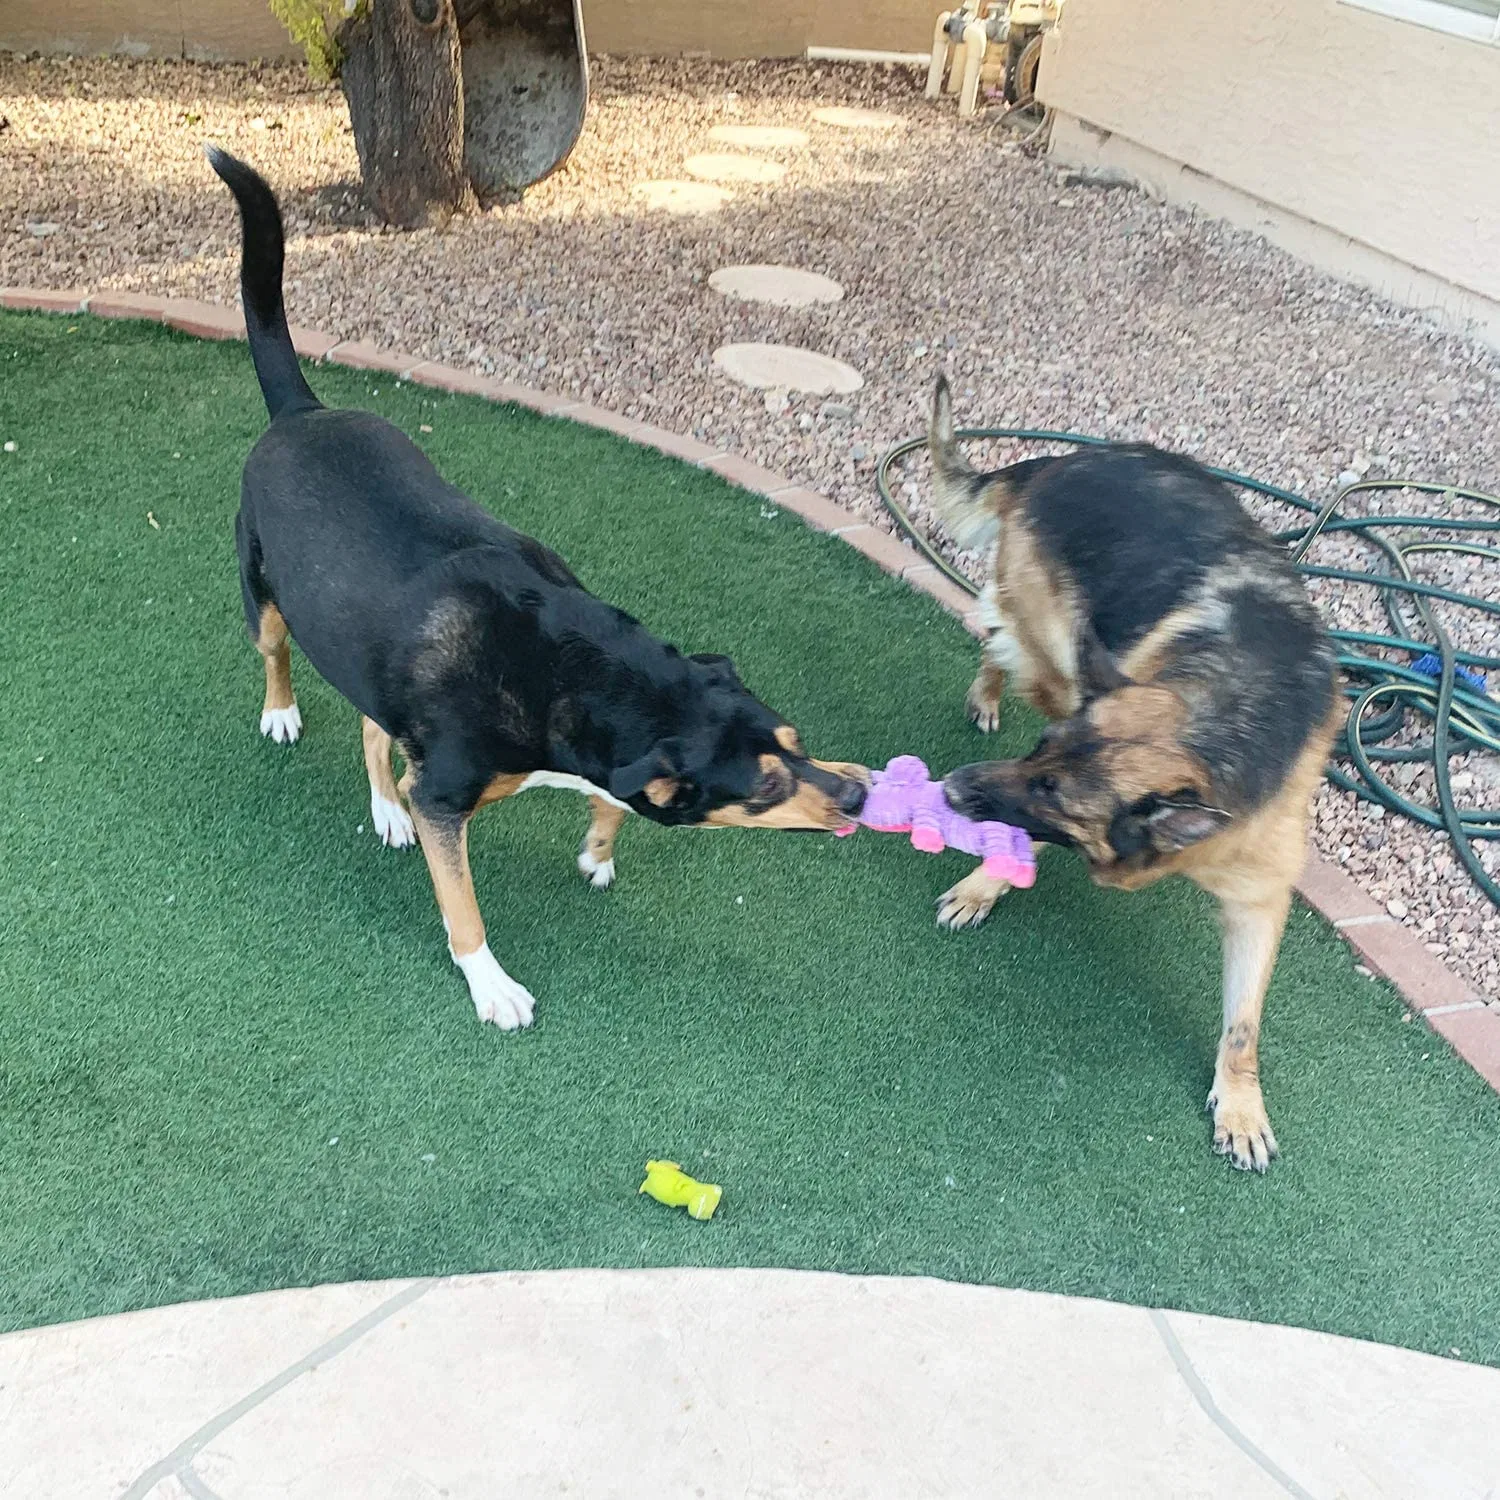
{"points": [[983, 703], [393, 825], [497, 997], [969, 902], [596, 860], [280, 718], [1252, 937]]}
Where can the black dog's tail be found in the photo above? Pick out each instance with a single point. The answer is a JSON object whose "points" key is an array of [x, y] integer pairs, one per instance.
{"points": [[276, 366]]}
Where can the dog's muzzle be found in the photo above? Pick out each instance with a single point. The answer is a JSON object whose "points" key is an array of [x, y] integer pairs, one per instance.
{"points": [[965, 795], [979, 792]]}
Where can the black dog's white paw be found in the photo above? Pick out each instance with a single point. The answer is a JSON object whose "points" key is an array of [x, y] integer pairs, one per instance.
{"points": [[392, 823], [497, 997], [600, 873], [284, 725]]}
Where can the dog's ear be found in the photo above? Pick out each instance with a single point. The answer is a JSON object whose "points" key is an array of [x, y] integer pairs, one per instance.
{"points": [[656, 774], [1165, 825], [721, 672], [1097, 672], [1176, 825]]}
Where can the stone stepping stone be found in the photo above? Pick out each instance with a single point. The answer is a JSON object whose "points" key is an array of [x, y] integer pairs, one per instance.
{"points": [[856, 119], [767, 367], [783, 286], [682, 197], [758, 137], [729, 167]]}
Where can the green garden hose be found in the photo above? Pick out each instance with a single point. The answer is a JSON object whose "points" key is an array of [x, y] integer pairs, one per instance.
{"points": [[1462, 715]]}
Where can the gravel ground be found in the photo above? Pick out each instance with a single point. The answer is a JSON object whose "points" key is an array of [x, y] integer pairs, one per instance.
{"points": [[1051, 302]]}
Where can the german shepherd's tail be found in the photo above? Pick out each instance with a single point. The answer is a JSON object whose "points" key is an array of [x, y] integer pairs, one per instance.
{"points": [[960, 492], [276, 366]]}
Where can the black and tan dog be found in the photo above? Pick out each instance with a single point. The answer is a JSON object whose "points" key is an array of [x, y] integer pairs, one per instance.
{"points": [[1192, 685], [474, 649]]}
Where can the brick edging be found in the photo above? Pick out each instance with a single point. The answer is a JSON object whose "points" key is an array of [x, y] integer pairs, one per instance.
{"points": [[1449, 1005]]}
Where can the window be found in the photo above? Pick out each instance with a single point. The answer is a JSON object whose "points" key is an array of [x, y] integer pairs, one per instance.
{"points": [[1479, 20]]}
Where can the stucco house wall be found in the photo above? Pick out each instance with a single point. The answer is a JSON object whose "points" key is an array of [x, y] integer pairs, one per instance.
{"points": [[228, 30], [1365, 142]]}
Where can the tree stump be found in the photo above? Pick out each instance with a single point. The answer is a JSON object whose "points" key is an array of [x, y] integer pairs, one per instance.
{"points": [[402, 76]]}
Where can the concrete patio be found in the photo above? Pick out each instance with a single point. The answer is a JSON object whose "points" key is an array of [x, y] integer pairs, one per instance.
{"points": [[706, 1383]]}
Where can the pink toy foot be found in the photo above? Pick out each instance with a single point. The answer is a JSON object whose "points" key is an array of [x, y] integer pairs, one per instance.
{"points": [[1017, 872], [1013, 860]]}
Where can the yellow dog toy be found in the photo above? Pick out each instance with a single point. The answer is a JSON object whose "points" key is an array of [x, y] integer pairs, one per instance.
{"points": [[669, 1184]]}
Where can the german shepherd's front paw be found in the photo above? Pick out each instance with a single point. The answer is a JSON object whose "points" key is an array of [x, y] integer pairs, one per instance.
{"points": [[1242, 1130], [969, 902], [982, 705]]}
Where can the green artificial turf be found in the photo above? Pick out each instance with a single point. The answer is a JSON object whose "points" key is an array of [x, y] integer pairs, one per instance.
{"points": [[235, 1055]]}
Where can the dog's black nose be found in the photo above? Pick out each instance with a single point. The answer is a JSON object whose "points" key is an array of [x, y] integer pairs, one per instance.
{"points": [[851, 797]]}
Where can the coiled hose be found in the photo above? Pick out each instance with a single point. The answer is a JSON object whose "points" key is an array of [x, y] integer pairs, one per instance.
{"points": [[1382, 693]]}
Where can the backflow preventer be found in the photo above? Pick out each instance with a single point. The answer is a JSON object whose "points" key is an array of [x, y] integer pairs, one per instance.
{"points": [[995, 42]]}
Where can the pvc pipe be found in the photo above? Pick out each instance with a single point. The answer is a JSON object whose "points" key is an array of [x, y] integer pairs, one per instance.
{"points": [[975, 42], [956, 68], [934, 87], [861, 55]]}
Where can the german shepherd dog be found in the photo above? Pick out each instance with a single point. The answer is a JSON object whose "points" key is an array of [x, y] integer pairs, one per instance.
{"points": [[1193, 695]]}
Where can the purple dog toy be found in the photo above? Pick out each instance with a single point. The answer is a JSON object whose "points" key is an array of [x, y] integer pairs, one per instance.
{"points": [[903, 798]]}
